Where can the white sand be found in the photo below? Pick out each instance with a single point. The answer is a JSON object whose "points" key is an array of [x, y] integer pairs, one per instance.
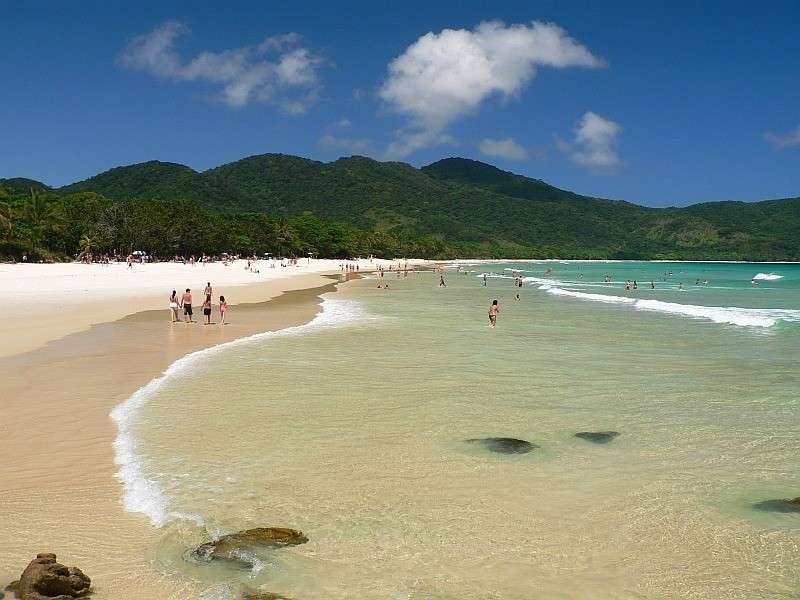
{"points": [[58, 491], [44, 302]]}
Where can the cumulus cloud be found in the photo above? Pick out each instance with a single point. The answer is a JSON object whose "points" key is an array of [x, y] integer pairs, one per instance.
{"points": [[783, 140], [444, 76], [355, 145], [344, 123], [279, 70], [595, 143], [504, 148]]}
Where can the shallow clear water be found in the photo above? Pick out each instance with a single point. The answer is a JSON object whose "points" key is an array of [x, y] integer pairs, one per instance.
{"points": [[352, 429]]}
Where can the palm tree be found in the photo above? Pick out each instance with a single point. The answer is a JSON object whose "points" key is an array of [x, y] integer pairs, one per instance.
{"points": [[44, 218], [5, 217], [37, 214], [86, 244], [285, 234], [5, 210]]}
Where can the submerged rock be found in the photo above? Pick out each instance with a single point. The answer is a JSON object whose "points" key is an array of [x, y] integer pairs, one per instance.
{"points": [[263, 596], [786, 505], [598, 437], [504, 445], [45, 578], [236, 547]]}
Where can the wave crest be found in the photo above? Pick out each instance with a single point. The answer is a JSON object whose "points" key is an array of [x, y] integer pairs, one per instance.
{"points": [[731, 315]]}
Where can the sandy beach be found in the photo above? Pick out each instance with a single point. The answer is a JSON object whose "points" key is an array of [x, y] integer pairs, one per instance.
{"points": [[82, 339], [53, 300]]}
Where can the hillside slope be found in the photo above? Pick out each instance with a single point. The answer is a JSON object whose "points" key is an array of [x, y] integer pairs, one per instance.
{"points": [[469, 205]]}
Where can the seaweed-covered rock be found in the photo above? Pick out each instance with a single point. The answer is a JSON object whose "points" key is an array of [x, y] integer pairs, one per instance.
{"points": [[785, 505], [236, 547], [263, 596], [504, 445], [598, 437], [44, 579]]}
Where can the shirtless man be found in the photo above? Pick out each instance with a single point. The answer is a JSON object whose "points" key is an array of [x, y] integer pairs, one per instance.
{"points": [[493, 310], [186, 303]]}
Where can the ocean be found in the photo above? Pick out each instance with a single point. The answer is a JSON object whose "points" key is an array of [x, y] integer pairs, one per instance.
{"points": [[354, 428]]}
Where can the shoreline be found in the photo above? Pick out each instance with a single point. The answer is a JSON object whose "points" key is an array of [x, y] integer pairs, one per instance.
{"points": [[61, 494], [54, 300]]}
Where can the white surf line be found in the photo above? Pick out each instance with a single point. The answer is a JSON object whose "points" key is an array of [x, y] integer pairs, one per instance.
{"points": [[732, 315], [144, 495]]}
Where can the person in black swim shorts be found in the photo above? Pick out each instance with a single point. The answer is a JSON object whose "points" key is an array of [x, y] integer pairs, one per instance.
{"points": [[186, 303]]}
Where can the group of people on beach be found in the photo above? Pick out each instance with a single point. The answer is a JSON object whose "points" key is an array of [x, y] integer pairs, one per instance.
{"points": [[185, 303]]}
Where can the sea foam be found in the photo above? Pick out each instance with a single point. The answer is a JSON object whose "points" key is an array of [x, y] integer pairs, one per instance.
{"points": [[732, 315], [766, 277], [141, 493]]}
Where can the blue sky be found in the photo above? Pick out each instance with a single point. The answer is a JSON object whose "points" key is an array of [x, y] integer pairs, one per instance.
{"points": [[656, 103]]}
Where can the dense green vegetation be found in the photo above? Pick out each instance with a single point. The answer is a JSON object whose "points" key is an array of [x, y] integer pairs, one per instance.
{"points": [[357, 206], [49, 226]]}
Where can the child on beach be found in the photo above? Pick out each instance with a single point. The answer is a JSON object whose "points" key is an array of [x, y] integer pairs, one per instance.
{"points": [[223, 308]]}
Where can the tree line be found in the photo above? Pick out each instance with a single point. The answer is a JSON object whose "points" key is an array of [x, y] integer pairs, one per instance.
{"points": [[48, 226]]}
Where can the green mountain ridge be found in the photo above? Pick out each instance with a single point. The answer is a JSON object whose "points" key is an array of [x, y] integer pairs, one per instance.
{"points": [[464, 207], [22, 185]]}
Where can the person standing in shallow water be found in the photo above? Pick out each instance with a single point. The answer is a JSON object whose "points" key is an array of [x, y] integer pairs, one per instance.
{"points": [[173, 307], [223, 308], [186, 303], [207, 310], [493, 310]]}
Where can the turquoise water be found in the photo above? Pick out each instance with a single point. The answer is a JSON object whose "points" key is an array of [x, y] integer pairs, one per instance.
{"points": [[352, 429]]}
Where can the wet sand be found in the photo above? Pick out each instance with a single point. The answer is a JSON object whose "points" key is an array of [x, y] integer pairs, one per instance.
{"points": [[56, 467]]}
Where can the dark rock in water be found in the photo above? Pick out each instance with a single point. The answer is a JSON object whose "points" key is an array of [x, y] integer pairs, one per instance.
{"points": [[598, 437], [504, 445], [235, 546], [263, 596], [785, 505], [45, 578]]}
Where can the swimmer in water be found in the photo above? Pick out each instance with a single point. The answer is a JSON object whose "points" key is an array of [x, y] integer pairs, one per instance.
{"points": [[493, 310]]}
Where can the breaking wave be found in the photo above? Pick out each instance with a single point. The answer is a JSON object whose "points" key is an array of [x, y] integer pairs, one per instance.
{"points": [[141, 493], [732, 315]]}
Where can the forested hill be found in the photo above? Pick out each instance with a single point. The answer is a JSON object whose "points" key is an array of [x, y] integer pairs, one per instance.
{"points": [[22, 185], [469, 205], [453, 207]]}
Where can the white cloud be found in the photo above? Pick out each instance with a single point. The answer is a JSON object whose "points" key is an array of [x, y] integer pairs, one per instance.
{"points": [[595, 143], [357, 145], [278, 70], [504, 148], [783, 140], [444, 76], [343, 123]]}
